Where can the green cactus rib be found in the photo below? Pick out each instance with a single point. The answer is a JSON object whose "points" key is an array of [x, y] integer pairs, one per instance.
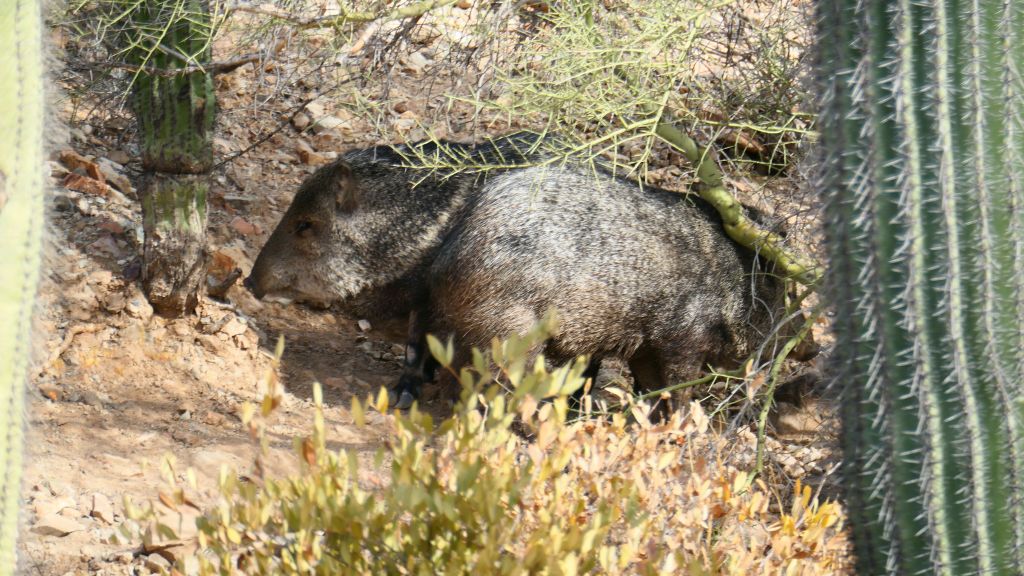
{"points": [[844, 111], [1009, 317], [922, 175], [176, 113], [21, 225]]}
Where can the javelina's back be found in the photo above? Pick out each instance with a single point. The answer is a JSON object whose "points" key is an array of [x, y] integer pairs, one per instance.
{"points": [[641, 274]]}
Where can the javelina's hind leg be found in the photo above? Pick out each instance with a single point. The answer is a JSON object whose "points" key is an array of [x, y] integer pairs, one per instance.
{"points": [[648, 369], [420, 365], [593, 367]]}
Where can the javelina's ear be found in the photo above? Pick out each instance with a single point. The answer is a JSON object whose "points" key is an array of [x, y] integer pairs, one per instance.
{"points": [[346, 190]]}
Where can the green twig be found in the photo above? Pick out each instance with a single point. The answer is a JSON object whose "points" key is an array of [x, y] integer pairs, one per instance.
{"points": [[737, 226], [769, 395], [727, 375]]}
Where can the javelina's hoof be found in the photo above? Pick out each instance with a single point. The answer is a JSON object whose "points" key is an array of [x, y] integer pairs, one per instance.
{"points": [[402, 400]]}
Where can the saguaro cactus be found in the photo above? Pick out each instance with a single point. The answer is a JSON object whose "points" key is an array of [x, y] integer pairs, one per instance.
{"points": [[174, 103], [21, 225], [923, 131]]}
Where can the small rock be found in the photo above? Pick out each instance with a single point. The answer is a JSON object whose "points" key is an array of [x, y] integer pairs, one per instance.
{"points": [[114, 302], [244, 227], [221, 274], [157, 563], [93, 398], [119, 156], [181, 328], [100, 278], [56, 525], [247, 341], [212, 418], [795, 420], [403, 124], [102, 508], [234, 327], [61, 201], [71, 512], [223, 145], [107, 245], [364, 325], [51, 392], [416, 62], [112, 227], [211, 343], [81, 301], [367, 347], [44, 507], [75, 161], [398, 350], [328, 123], [57, 170], [113, 174], [300, 121], [326, 141], [79, 183], [307, 155], [316, 109], [139, 307], [84, 207]]}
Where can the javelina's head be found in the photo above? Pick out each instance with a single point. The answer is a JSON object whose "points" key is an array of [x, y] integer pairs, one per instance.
{"points": [[316, 253]]}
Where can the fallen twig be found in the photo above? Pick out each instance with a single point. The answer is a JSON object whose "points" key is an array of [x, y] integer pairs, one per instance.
{"points": [[69, 338]]}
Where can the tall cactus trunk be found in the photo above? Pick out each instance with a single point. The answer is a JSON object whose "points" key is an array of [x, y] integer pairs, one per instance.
{"points": [[923, 132], [21, 226], [176, 119]]}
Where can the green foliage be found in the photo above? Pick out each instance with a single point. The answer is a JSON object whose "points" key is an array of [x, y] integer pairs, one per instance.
{"points": [[608, 72], [508, 485], [923, 132]]}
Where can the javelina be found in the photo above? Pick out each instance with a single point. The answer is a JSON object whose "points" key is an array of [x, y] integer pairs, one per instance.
{"points": [[645, 275]]}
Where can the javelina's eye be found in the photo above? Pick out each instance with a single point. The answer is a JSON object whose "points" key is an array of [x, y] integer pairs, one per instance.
{"points": [[304, 228]]}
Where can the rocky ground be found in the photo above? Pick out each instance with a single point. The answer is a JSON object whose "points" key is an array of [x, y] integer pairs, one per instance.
{"points": [[118, 390]]}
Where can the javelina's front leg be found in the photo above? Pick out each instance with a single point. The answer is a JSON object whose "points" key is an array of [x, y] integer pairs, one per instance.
{"points": [[420, 365]]}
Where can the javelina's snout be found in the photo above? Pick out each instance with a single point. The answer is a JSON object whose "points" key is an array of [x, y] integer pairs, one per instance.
{"points": [[251, 286]]}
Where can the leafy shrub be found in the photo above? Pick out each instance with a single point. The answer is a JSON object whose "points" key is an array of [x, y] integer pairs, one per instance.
{"points": [[509, 484]]}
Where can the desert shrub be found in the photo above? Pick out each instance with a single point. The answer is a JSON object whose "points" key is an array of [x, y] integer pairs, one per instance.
{"points": [[514, 482]]}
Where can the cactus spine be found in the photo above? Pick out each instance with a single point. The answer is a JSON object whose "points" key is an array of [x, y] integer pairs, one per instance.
{"points": [[21, 225], [923, 137]]}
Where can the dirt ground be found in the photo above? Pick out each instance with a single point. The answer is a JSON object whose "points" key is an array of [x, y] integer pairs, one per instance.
{"points": [[117, 389]]}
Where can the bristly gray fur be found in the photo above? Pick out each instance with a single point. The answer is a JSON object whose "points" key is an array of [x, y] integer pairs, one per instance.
{"points": [[645, 275]]}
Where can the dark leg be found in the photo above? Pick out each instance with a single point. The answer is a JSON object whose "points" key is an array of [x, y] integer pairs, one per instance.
{"points": [[648, 376], [589, 374], [420, 365]]}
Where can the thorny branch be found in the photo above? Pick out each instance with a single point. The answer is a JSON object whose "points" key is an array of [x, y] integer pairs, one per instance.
{"points": [[306, 22]]}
